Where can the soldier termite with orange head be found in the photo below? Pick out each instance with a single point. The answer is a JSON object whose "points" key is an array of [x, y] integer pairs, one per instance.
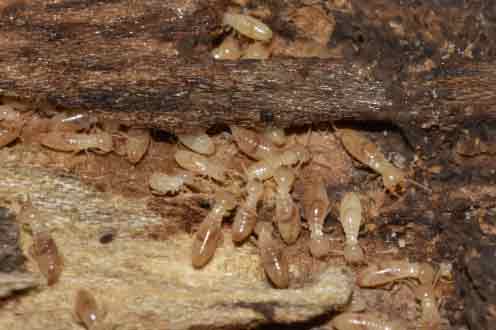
{"points": [[350, 215], [265, 169], [253, 144], [388, 271], [249, 26], [200, 164], [246, 216], [208, 235], [274, 261], [368, 153], [87, 311], [365, 321], [67, 141], [287, 214], [46, 254], [315, 209], [200, 143]]}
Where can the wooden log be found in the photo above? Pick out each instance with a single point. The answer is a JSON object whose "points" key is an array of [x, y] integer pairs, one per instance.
{"points": [[127, 68]]}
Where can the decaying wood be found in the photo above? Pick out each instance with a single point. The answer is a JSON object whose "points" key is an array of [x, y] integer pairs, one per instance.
{"points": [[143, 283], [127, 68]]}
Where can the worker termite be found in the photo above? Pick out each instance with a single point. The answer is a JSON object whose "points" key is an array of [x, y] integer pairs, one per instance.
{"points": [[430, 318], [87, 311], [208, 235], [350, 215], [229, 49], [246, 217], [137, 143], [363, 321], [66, 141], [249, 26], [200, 164], [367, 152], [165, 184], [388, 271], [254, 145], [287, 213], [274, 261], [265, 169], [46, 254], [200, 143], [425, 294], [315, 209]]}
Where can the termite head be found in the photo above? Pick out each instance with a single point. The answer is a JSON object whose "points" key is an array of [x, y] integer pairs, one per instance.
{"points": [[394, 178], [353, 254], [319, 247], [284, 177], [105, 142], [226, 199], [302, 153], [426, 273], [255, 188], [276, 136]]}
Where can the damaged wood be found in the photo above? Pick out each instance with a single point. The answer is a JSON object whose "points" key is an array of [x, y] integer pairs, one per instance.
{"points": [[127, 68]]}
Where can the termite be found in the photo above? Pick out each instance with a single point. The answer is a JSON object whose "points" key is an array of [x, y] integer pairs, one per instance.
{"points": [[66, 141], [87, 311], [364, 321], [425, 294], [430, 318], [200, 143], [249, 26], [253, 144], [208, 235], [265, 169], [276, 135], [9, 132], [246, 217], [367, 152], [200, 164], [388, 271], [229, 49], [287, 214], [274, 261], [137, 143], [165, 184], [315, 209], [350, 215], [46, 254]]}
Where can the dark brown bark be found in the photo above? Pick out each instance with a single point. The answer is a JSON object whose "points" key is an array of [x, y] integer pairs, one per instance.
{"points": [[11, 256], [126, 68]]}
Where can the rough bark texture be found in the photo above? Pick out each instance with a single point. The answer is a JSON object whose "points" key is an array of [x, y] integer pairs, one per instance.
{"points": [[146, 63], [119, 58]]}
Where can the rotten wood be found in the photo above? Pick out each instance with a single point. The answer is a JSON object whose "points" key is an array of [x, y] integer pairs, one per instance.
{"points": [[127, 68]]}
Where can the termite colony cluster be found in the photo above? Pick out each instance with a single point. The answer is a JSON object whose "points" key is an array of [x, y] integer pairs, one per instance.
{"points": [[271, 164], [246, 35]]}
